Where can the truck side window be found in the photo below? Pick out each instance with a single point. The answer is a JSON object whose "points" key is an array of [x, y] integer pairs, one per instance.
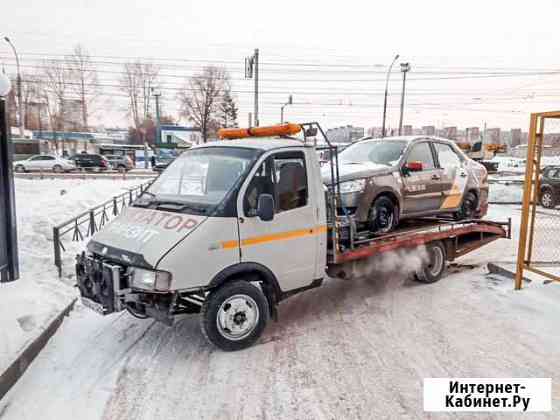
{"points": [[262, 183], [447, 157], [284, 177], [421, 152], [291, 181]]}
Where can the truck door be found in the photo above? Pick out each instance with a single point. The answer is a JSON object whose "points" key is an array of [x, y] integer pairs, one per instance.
{"points": [[453, 177], [287, 244], [422, 190]]}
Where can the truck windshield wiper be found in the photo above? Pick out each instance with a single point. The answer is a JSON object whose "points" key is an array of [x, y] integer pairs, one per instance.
{"points": [[178, 206]]}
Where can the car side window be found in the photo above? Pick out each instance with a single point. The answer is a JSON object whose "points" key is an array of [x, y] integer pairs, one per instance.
{"points": [[48, 158], [34, 158], [447, 157], [284, 177], [422, 152]]}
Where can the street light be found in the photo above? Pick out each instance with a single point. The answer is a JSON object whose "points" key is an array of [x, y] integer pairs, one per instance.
{"points": [[20, 101], [386, 93], [5, 85], [405, 68], [290, 102]]}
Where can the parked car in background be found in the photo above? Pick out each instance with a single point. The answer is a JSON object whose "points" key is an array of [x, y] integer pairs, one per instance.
{"points": [[162, 163], [120, 163], [383, 181], [44, 163], [87, 161], [550, 187]]}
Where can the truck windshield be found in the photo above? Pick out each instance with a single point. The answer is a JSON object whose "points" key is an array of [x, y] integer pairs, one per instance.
{"points": [[200, 178], [384, 152]]}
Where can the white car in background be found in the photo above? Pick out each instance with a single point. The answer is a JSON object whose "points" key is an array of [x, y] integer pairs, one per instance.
{"points": [[44, 163]]}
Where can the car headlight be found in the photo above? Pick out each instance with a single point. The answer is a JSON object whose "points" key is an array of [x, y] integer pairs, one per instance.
{"points": [[150, 280], [357, 185]]}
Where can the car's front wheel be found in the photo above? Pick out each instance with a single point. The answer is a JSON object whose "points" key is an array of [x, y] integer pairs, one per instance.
{"points": [[234, 315], [19, 168], [57, 169], [383, 215], [547, 199]]}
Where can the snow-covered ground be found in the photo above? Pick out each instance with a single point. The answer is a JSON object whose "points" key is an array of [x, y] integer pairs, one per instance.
{"points": [[349, 349], [29, 304]]}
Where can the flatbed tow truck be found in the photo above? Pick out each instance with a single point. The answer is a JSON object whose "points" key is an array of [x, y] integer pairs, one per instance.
{"points": [[234, 227]]}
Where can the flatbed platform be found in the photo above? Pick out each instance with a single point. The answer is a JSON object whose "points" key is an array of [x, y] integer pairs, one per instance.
{"points": [[460, 238]]}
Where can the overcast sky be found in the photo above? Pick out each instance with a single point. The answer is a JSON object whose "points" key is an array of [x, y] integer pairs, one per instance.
{"points": [[472, 61]]}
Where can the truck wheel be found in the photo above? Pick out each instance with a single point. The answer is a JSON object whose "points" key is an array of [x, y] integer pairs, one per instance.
{"points": [[468, 207], [433, 269], [547, 199], [382, 215], [234, 316]]}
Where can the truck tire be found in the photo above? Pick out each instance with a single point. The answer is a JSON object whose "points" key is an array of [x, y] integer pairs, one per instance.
{"points": [[433, 269], [383, 215], [234, 316]]}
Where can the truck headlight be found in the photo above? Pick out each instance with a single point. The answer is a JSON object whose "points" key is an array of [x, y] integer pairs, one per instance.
{"points": [[357, 185], [150, 280]]}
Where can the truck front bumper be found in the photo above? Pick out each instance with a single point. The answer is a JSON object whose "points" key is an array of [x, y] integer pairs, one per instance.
{"points": [[100, 284]]}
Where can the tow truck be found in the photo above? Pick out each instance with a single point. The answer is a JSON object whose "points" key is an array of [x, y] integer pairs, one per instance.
{"points": [[234, 227]]}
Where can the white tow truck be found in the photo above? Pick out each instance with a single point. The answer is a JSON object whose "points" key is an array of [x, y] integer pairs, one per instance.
{"points": [[233, 227]]}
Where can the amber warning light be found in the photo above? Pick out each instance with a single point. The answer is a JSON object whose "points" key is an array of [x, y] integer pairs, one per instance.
{"points": [[271, 131]]}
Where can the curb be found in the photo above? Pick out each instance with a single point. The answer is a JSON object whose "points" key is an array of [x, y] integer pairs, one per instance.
{"points": [[11, 375]]}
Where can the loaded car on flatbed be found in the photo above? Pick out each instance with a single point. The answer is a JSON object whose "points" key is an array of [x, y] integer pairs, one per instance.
{"points": [[234, 227]]}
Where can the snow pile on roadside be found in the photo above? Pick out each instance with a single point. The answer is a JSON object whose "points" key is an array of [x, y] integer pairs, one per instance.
{"points": [[32, 302], [505, 193]]}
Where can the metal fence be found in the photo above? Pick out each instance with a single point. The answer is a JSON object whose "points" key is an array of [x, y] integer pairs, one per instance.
{"points": [[91, 221], [539, 238]]}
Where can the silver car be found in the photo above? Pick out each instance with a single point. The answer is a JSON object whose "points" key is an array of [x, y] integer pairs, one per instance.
{"points": [[44, 163]]}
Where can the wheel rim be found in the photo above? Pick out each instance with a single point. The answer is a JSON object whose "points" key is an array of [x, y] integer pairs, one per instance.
{"points": [[547, 199], [57, 169], [237, 317], [384, 218], [19, 168], [436, 261]]}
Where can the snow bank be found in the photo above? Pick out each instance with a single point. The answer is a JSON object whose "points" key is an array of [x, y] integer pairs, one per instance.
{"points": [[32, 302]]}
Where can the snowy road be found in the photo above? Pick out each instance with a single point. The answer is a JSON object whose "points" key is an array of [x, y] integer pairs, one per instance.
{"points": [[355, 349]]}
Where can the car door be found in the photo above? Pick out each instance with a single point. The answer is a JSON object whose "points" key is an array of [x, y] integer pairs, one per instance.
{"points": [[47, 163], [454, 176], [422, 190], [33, 163], [287, 244]]}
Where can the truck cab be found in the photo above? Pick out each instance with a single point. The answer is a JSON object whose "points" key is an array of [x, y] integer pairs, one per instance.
{"points": [[229, 229]]}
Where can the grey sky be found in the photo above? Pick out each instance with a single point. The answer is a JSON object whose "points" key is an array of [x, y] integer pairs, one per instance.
{"points": [[464, 47]]}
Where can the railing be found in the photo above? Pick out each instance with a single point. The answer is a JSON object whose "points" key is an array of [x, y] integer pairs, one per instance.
{"points": [[92, 220]]}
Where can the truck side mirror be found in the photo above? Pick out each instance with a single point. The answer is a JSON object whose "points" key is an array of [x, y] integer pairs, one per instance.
{"points": [[265, 207]]}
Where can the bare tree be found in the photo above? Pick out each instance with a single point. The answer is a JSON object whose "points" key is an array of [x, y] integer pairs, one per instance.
{"points": [[139, 80], [84, 82], [200, 98], [55, 91]]}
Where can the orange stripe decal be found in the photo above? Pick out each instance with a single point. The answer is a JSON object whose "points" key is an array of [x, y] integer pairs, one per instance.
{"points": [[280, 236]]}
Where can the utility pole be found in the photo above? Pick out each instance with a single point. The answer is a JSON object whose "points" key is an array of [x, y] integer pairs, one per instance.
{"points": [[386, 93], [405, 68], [252, 72], [250, 120], [158, 122], [290, 102], [19, 94]]}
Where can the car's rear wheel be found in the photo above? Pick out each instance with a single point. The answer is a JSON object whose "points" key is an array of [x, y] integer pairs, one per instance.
{"points": [[57, 169], [433, 268], [547, 199], [121, 168], [383, 215], [468, 207], [19, 168]]}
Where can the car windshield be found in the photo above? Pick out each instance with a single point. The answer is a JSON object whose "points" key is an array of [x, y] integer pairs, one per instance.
{"points": [[384, 152], [200, 178]]}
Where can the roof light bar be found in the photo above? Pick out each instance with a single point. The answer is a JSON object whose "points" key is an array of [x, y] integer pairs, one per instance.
{"points": [[273, 130]]}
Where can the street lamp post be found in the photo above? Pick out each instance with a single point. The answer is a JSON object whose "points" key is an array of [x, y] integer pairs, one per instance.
{"points": [[386, 93], [19, 94], [290, 102], [9, 267], [405, 68]]}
